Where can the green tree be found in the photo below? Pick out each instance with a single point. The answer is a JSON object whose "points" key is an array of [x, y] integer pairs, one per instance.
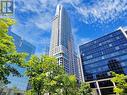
{"points": [[73, 85], [85, 89], [46, 76], [121, 83], [69, 84], [8, 54], [41, 71]]}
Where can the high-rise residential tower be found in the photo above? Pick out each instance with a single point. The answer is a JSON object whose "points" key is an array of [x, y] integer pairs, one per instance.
{"points": [[61, 45]]}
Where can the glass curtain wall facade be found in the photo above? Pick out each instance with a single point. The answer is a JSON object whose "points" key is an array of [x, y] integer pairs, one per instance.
{"points": [[25, 47], [105, 54], [22, 45]]}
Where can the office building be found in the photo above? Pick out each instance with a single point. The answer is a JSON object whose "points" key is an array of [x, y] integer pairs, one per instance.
{"points": [[100, 56], [61, 45], [22, 45], [25, 47], [11, 91]]}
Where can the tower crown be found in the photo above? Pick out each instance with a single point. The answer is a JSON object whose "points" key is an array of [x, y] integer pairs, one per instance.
{"points": [[58, 8]]}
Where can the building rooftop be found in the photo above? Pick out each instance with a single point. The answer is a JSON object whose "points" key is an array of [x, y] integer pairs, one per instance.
{"points": [[58, 8], [119, 29]]}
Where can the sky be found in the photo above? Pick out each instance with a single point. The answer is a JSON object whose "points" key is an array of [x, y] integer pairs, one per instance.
{"points": [[90, 19]]}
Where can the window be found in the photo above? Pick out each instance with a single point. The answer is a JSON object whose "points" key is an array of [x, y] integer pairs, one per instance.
{"points": [[89, 57], [110, 35], [117, 37], [117, 48], [126, 32], [100, 44], [125, 44], [115, 66], [110, 45], [83, 54], [123, 64], [102, 57]]}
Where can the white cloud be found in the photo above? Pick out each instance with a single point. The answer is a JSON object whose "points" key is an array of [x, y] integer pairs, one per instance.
{"points": [[27, 5], [124, 28], [101, 11], [79, 40], [44, 21], [84, 40], [38, 21], [44, 10], [74, 30], [43, 46]]}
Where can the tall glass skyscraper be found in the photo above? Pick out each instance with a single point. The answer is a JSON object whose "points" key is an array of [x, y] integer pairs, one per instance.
{"points": [[61, 45], [100, 56], [22, 45], [25, 47]]}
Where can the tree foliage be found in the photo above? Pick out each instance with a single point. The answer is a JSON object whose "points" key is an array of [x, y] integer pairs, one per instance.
{"points": [[8, 54], [46, 76], [43, 74], [85, 89], [121, 83]]}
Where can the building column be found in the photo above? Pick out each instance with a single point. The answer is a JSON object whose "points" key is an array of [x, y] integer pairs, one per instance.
{"points": [[98, 88]]}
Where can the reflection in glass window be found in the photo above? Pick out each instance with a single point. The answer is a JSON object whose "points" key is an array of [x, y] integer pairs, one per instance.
{"points": [[117, 37], [110, 45], [123, 64], [90, 56], [117, 48]]}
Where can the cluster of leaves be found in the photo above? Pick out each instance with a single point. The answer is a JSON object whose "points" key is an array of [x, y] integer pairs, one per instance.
{"points": [[46, 76], [121, 83], [8, 54], [85, 89]]}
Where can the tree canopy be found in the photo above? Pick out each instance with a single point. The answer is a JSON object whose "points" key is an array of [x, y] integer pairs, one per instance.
{"points": [[42, 72], [85, 89], [46, 76], [8, 54], [121, 83]]}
